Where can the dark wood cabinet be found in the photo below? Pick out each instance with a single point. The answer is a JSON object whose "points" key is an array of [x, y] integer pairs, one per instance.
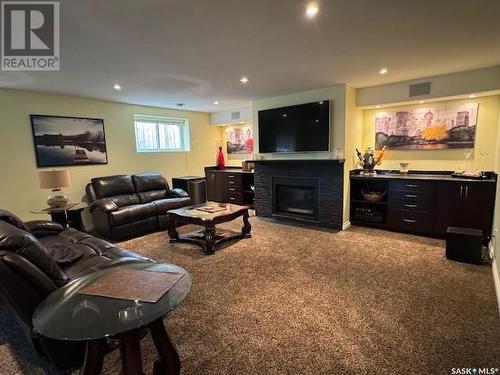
{"points": [[215, 192], [425, 204], [230, 185], [465, 204]]}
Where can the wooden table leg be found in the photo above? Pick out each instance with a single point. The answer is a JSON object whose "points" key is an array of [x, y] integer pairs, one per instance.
{"points": [[210, 234], [172, 231], [94, 357], [169, 362], [246, 225], [130, 350]]}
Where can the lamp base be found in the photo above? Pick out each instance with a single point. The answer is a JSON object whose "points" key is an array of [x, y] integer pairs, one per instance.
{"points": [[57, 199]]}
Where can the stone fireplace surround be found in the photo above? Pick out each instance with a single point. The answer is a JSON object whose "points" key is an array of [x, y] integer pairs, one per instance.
{"points": [[328, 172]]}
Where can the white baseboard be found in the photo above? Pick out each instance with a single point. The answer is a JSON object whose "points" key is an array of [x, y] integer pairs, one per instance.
{"points": [[496, 281], [346, 225]]}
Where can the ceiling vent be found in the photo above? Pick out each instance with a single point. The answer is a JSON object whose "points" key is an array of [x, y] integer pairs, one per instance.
{"points": [[420, 89], [235, 116]]}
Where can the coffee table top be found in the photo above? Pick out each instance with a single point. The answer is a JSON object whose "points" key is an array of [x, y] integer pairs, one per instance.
{"points": [[193, 212], [68, 315]]}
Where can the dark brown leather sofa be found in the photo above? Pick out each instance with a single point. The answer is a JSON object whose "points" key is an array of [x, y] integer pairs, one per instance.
{"points": [[125, 206], [38, 257]]}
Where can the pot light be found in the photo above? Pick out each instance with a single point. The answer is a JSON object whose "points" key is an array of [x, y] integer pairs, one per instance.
{"points": [[383, 71], [312, 9], [117, 87], [377, 106], [216, 102], [244, 80], [472, 96], [421, 102]]}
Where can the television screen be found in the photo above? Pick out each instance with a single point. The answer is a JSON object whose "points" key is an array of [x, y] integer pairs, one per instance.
{"points": [[298, 128]]}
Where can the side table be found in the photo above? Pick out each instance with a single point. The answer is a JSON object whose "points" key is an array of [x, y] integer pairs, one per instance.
{"points": [[68, 216], [68, 315]]}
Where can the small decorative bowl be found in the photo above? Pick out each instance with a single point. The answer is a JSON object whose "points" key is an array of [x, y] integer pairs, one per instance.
{"points": [[373, 196]]}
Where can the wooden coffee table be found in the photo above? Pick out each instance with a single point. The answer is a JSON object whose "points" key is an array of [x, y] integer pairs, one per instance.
{"points": [[209, 237]]}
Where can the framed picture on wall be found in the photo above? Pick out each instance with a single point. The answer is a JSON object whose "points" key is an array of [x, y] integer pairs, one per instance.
{"points": [[239, 140], [434, 127], [67, 141]]}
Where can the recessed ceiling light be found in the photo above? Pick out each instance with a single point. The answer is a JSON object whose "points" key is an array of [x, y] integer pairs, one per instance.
{"points": [[383, 71], [244, 80], [421, 102], [312, 9], [216, 102], [472, 96], [117, 87], [377, 106]]}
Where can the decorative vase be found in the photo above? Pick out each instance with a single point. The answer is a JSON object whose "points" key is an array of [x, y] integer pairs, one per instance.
{"points": [[221, 163]]}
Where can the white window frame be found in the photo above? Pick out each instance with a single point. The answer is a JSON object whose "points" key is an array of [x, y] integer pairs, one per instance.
{"points": [[183, 124]]}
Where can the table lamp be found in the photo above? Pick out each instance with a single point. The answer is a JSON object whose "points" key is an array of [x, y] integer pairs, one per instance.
{"points": [[55, 180]]}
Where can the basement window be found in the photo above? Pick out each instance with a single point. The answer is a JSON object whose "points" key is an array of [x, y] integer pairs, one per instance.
{"points": [[161, 134]]}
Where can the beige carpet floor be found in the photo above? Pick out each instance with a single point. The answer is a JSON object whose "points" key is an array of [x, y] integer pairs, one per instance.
{"points": [[294, 300]]}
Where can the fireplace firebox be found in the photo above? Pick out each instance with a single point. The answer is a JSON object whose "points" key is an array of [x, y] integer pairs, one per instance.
{"points": [[296, 198]]}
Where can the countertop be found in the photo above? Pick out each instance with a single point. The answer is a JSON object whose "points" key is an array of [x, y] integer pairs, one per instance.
{"points": [[430, 176]]}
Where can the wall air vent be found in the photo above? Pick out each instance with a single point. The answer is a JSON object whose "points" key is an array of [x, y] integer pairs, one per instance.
{"points": [[419, 89], [236, 115]]}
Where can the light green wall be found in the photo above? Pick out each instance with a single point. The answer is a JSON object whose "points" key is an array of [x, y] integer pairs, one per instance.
{"points": [[486, 135], [496, 228], [353, 138], [20, 191]]}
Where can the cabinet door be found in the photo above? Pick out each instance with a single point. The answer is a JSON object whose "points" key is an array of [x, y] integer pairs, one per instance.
{"points": [[478, 207], [214, 186], [448, 206]]}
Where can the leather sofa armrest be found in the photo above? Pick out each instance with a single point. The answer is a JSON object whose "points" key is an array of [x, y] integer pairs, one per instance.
{"points": [[105, 203], [43, 228], [177, 193]]}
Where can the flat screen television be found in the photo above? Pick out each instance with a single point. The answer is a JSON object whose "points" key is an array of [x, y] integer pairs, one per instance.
{"points": [[298, 128]]}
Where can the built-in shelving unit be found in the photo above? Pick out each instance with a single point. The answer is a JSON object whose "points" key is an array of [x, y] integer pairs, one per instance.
{"points": [[424, 203]]}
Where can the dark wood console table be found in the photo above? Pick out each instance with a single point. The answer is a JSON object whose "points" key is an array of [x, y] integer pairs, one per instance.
{"points": [[424, 203], [230, 185]]}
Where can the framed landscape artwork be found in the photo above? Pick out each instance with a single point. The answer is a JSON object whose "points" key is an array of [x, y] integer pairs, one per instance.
{"points": [[66, 141], [239, 140], [432, 128]]}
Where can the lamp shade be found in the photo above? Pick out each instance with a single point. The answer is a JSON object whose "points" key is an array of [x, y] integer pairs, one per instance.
{"points": [[54, 179]]}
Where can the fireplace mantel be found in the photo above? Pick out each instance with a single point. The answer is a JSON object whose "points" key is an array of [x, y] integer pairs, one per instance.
{"points": [[301, 161]]}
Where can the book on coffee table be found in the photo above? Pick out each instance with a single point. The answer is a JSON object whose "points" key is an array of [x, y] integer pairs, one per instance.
{"points": [[212, 208], [131, 284]]}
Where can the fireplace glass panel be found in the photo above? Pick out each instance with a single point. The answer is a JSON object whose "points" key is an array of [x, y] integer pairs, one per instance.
{"points": [[294, 200]]}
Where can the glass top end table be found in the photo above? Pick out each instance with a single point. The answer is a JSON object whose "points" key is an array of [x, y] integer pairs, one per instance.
{"points": [[68, 315]]}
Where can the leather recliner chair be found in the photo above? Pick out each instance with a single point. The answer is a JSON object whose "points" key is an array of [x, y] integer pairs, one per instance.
{"points": [[125, 206], [38, 257]]}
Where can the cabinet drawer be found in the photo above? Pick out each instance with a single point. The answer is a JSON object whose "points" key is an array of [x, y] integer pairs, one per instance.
{"points": [[233, 198], [412, 201], [412, 185], [410, 221], [231, 179], [231, 189]]}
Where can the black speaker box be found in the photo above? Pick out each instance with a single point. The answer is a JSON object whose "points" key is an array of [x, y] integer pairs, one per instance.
{"points": [[464, 245]]}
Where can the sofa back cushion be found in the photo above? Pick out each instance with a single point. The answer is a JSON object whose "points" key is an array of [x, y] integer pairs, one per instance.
{"points": [[119, 188], [150, 186], [26, 245]]}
